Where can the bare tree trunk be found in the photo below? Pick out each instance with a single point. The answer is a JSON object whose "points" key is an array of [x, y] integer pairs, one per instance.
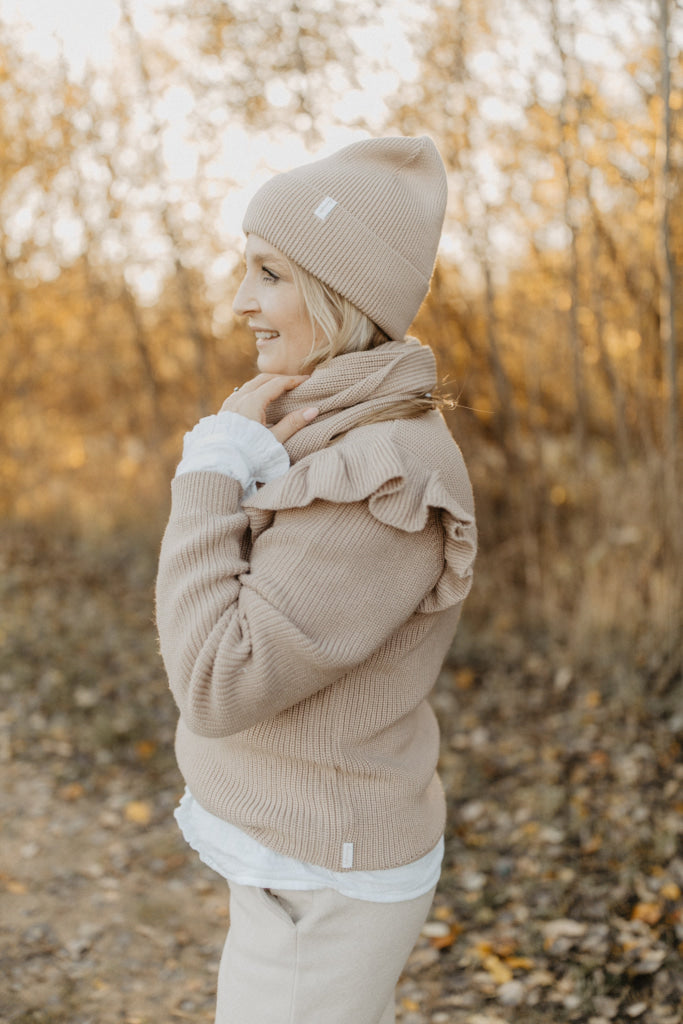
{"points": [[570, 218], [639, 295], [143, 350], [139, 335], [607, 363], [673, 665], [647, 322], [16, 374], [667, 300], [508, 426], [166, 214]]}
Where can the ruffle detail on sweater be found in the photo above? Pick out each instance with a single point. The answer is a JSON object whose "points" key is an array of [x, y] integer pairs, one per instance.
{"points": [[400, 489]]}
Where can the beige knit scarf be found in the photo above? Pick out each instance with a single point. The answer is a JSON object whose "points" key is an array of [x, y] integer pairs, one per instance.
{"points": [[353, 388]]}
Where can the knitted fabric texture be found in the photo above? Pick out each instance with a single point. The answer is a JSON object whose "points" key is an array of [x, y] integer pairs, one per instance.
{"points": [[366, 221], [303, 630], [352, 387]]}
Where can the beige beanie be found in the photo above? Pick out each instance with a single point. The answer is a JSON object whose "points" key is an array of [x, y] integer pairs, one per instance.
{"points": [[366, 221]]}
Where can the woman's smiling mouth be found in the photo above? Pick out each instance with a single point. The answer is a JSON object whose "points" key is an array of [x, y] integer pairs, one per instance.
{"points": [[262, 335]]}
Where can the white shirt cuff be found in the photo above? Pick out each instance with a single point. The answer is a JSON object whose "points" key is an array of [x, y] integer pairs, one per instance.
{"points": [[238, 447]]}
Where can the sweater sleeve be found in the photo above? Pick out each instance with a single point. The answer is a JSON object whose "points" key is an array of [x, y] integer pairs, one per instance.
{"points": [[324, 587]]}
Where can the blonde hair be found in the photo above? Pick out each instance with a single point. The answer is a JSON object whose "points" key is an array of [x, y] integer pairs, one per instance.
{"points": [[339, 327]]}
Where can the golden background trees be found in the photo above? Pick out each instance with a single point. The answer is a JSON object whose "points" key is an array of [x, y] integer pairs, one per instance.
{"points": [[552, 310]]}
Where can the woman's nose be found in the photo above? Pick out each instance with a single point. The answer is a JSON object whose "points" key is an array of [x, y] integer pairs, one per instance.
{"points": [[244, 301]]}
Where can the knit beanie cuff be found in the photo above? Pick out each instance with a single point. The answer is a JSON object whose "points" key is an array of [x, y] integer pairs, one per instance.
{"points": [[382, 284]]}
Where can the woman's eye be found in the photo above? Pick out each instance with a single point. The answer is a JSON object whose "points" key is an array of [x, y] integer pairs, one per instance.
{"points": [[269, 276]]}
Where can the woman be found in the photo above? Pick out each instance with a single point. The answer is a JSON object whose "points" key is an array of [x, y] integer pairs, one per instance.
{"points": [[319, 548]]}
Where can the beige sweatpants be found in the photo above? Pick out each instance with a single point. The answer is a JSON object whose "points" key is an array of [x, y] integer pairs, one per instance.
{"points": [[314, 957]]}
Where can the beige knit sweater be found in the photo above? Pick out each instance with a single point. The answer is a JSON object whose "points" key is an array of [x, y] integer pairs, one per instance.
{"points": [[302, 631]]}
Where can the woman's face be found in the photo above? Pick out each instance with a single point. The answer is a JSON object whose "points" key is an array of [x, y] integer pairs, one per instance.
{"points": [[269, 298]]}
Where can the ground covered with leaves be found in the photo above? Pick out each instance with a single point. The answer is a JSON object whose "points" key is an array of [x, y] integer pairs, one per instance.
{"points": [[561, 892]]}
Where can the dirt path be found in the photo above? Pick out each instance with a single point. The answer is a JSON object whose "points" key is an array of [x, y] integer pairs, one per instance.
{"points": [[106, 916], [561, 895]]}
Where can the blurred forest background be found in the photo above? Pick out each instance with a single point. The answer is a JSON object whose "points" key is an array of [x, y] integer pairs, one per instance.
{"points": [[555, 314], [552, 310]]}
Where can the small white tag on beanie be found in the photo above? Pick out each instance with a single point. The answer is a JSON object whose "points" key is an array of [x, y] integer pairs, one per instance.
{"points": [[347, 848], [326, 207]]}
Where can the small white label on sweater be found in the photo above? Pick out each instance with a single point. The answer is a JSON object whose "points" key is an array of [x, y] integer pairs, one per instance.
{"points": [[347, 855], [326, 207]]}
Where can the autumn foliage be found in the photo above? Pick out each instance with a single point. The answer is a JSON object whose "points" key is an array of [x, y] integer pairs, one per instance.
{"points": [[552, 308]]}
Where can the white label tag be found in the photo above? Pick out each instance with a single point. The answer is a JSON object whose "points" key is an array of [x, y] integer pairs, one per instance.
{"points": [[347, 855], [326, 207]]}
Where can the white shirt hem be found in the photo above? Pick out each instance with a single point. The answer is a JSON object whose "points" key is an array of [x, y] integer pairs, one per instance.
{"points": [[235, 856]]}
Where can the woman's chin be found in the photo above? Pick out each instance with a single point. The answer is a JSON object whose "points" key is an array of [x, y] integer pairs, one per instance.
{"points": [[266, 364]]}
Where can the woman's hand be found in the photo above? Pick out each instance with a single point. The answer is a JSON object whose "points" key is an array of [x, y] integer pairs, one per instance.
{"points": [[254, 397]]}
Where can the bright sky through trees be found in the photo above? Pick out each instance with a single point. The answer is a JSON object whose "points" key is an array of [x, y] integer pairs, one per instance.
{"points": [[84, 33], [80, 30], [87, 34]]}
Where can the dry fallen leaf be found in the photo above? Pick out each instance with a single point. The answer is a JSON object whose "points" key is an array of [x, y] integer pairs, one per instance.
{"points": [[441, 934], [650, 913], [15, 887], [498, 970], [435, 929], [444, 941], [563, 928], [72, 791], [520, 963], [145, 749], [649, 962], [464, 678], [636, 1009], [139, 812]]}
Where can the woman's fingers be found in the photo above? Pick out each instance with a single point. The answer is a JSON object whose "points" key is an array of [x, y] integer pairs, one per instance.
{"points": [[294, 421], [264, 378], [276, 385], [252, 399]]}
